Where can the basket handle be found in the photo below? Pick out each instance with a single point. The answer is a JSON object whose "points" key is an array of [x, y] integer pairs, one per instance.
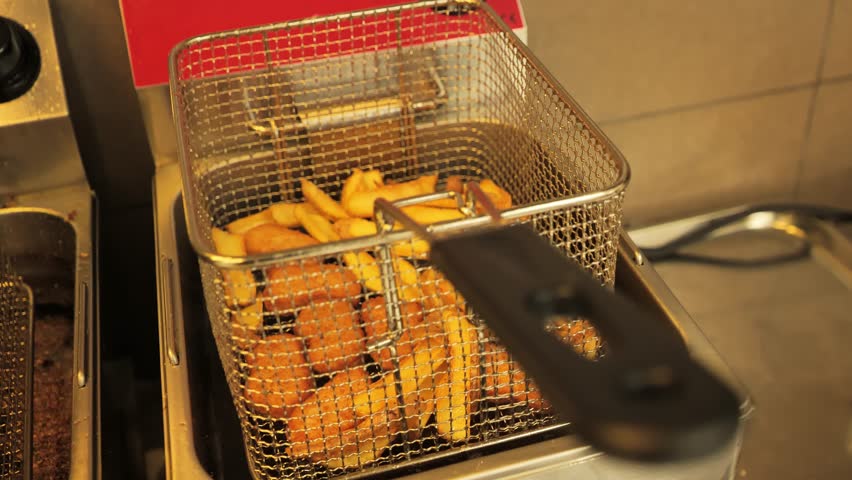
{"points": [[647, 399]]}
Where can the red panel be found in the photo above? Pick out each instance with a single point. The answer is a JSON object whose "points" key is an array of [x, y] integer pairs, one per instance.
{"points": [[153, 27]]}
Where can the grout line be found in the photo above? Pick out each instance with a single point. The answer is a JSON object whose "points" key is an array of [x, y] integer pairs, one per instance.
{"points": [[833, 80], [710, 103], [809, 122]]}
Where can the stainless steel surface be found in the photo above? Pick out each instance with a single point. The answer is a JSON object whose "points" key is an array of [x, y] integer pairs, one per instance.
{"points": [[16, 373], [53, 248], [28, 163], [758, 318], [503, 118], [202, 430]]}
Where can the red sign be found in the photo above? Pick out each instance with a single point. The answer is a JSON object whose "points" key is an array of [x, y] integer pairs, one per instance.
{"points": [[153, 27]]}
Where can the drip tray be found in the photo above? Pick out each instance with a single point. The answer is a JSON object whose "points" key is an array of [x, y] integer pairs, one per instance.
{"points": [[203, 437]]}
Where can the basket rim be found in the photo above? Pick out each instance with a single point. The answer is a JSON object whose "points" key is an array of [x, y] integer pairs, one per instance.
{"points": [[203, 248]]}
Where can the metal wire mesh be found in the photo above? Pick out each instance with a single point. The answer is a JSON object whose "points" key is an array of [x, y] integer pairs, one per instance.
{"points": [[324, 380], [16, 344]]}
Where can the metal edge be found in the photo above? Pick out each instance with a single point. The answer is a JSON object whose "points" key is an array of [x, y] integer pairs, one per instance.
{"points": [[179, 446], [206, 253], [80, 203], [655, 290]]}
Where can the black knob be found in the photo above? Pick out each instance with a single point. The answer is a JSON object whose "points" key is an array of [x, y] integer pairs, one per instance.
{"points": [[20, 60]]}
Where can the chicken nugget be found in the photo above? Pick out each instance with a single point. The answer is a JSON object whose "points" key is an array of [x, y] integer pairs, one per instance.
{"points": [[279, 376], [293, 286]]}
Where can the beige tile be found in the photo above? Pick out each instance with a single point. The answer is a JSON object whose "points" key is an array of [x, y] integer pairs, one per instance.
{"points": [[622, 58], [838, 54], [713, 157], [827, 171]]}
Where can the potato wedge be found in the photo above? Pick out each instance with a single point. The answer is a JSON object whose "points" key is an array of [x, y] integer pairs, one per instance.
{"points": [[352, 184], [317, 226], [429, 215], [240, 288], [359, 227], [246, 325], [322, 201], [243, 225], [499, 197], [372, 180], [275, 238], [454, 398], [284, 214], [364, 266], [454, 184], [360, 204]]}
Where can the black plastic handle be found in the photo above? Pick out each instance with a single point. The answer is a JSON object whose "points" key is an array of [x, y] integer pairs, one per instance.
{"points": [[647, 399]]}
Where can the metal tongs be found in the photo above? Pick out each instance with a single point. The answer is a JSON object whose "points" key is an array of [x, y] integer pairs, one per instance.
{"points": [[646, 400]]}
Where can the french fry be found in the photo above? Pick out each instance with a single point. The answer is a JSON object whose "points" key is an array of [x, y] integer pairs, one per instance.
{"points": [[364, 266], [453, 398], [284, 214], [499, 197], [360, 204], [359, 227], [324, 203], [317, 226], [243, 225], [407, 280], [372, 180], [429, 215], [239, 284], [354, 227], [352, 184], [246, 324], [454, 184]]}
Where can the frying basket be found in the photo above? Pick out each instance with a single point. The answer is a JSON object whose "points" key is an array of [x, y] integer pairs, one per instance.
{"points": [[16, 357], [431, 88]]}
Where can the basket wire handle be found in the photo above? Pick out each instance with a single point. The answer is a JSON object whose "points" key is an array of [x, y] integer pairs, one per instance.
{"points": [[646, 400]]}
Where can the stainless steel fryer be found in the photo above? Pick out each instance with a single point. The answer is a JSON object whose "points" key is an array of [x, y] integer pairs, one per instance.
{"points": [[256, 112], [202, 431]]}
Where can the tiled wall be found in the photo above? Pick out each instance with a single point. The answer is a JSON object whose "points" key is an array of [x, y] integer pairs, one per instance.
{"points": [[714, 103]]}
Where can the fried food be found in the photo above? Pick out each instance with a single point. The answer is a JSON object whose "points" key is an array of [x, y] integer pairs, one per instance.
{"points": [[293, 286], [499, 197], [359, 227], [372, 180], [317, 226], [455, 397], [374, 316], [275, 238], [284, 214], [360, 204], [581, 335], [278, 377], [333, 335], [243, 225], [239, 285], [352, 184], [325, 420], [505, 381], [365, 268], [438, 292], [428, 215], [322, 201], [246, 324]]}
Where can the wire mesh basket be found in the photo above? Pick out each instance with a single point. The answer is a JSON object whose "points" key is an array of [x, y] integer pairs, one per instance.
{"points": [[16, 356], [343, 358]]}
